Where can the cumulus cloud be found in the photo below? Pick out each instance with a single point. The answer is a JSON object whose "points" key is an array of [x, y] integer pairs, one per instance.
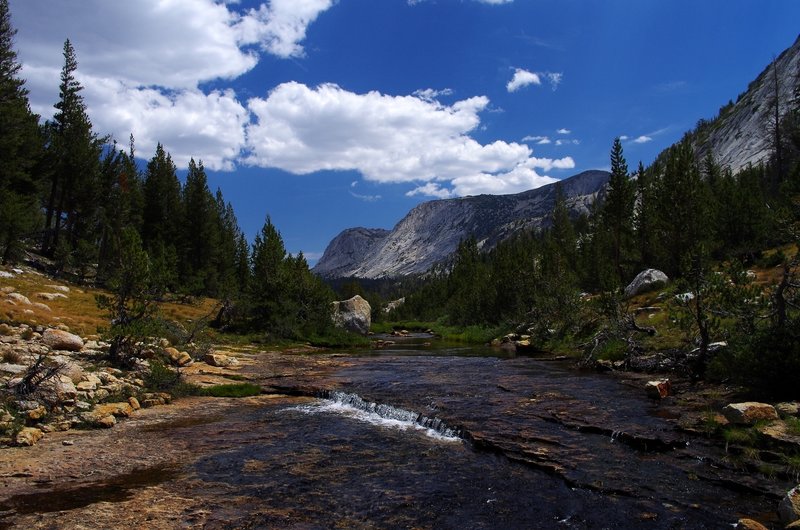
{"points": [[280, 27], [522, 78], [573, 141], [564, 131], [400, 139], [142, 64], [643, 139]]}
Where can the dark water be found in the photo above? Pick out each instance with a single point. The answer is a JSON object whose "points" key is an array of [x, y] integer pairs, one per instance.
{"points": [[425, 437]]}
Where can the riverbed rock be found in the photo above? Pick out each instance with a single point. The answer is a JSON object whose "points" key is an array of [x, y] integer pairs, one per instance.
{"points": [[750, 524], [59, 339], [658, 389], [97, 420], [354, 315], [178, 358], [220, 360], [749, 412], [121, 409], [789, 508], [647, 280], [28, 436]]}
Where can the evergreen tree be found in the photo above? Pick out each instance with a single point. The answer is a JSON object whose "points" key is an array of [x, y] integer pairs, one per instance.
{"points": [[74, 151], [617, 213], [645, 217], [20, 149], [266, 286], [201, 234], [162, 217]]}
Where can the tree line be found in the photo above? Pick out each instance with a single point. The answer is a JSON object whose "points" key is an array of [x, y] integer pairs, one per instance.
{"points": [[80, 200]]}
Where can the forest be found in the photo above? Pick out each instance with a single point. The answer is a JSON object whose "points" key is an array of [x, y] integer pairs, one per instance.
{"points": [[78, 199]]}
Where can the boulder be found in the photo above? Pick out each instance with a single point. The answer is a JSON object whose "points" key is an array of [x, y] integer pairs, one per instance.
{"points": [[219, 360], [122, 409], [18, 298], [5, 329], [97, 420], [134, 403], [62, 340], [178, 358], [51, 296], [28, 436], [658, 389], [749, 412], [647, 280], [788, 409], [789, 508], [354, 315]]}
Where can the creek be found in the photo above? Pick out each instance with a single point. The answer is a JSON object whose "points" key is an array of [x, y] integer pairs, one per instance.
{"points": [[429, 435], [423, 435]]}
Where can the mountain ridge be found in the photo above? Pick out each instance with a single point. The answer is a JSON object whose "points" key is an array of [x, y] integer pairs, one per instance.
{"points": [[432, 230]]}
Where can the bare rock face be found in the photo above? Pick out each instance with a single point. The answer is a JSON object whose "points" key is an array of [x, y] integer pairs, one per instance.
{"points": [[749, 412], [430, 233], [354, 315], [647, 280], [62, 340]]}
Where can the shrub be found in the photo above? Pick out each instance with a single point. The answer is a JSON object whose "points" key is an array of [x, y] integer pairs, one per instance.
{"points": [[234, 390]]}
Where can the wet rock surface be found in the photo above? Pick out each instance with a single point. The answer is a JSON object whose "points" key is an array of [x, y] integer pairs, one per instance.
{"points": [[541, 446]]}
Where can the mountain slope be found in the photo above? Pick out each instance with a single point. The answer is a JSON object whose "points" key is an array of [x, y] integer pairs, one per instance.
{"points": [[431, 231], [742, 132]]}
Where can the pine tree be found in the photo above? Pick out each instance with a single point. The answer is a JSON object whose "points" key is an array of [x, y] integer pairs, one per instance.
{"points": [[617, 212], [20, 149], [74, 152], [266, 286], [162, 218], [201, 234]]}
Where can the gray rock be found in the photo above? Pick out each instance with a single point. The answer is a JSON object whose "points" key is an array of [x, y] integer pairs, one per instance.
{"points": [[789, 508], [647, 280], [62, 340], [353, 315], [749, 412], [432, 231]]}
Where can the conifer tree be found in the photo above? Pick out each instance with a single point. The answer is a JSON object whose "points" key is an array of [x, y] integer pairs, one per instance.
{"points": [[20, 148], [266, 286], [617, 212], [162, 218], [201, 234], [74, 152]]}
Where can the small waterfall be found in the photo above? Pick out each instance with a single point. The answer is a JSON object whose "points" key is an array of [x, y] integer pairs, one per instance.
{"points": [[384, 415]]}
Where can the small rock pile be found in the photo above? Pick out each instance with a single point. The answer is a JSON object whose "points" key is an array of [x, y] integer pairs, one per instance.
{"points": [[54, 380]]}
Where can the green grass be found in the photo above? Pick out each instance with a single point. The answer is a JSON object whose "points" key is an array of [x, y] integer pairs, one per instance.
{"points": [[234, 390]]}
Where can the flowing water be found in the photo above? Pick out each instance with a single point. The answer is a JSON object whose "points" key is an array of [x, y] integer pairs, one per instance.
{"points": [[422, 436]]}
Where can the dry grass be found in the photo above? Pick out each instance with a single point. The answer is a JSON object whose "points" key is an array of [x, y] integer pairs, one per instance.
{"points": [[79, 310]]}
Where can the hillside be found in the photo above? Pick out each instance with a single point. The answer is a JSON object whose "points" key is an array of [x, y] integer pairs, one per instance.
{"points": [[431, 231], [741, 134]]}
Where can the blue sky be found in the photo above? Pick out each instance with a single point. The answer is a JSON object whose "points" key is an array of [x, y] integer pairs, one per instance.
{"points": [[331, 114]]}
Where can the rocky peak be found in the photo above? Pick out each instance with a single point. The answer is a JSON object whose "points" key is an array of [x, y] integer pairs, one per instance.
{"points": [[432, 230]]}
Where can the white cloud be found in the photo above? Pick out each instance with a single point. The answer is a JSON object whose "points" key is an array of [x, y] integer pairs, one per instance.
{"points": [[574, 141], [643, 139], [564, 131], [281, 26], [521, 79], [401, 139], [624, 137], [142, 64], [540, 140], [554, 78], [430, 94]]}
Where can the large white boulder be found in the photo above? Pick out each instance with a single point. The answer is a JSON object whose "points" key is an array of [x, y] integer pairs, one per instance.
{"points": [[353, 315], [647, 280]]}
